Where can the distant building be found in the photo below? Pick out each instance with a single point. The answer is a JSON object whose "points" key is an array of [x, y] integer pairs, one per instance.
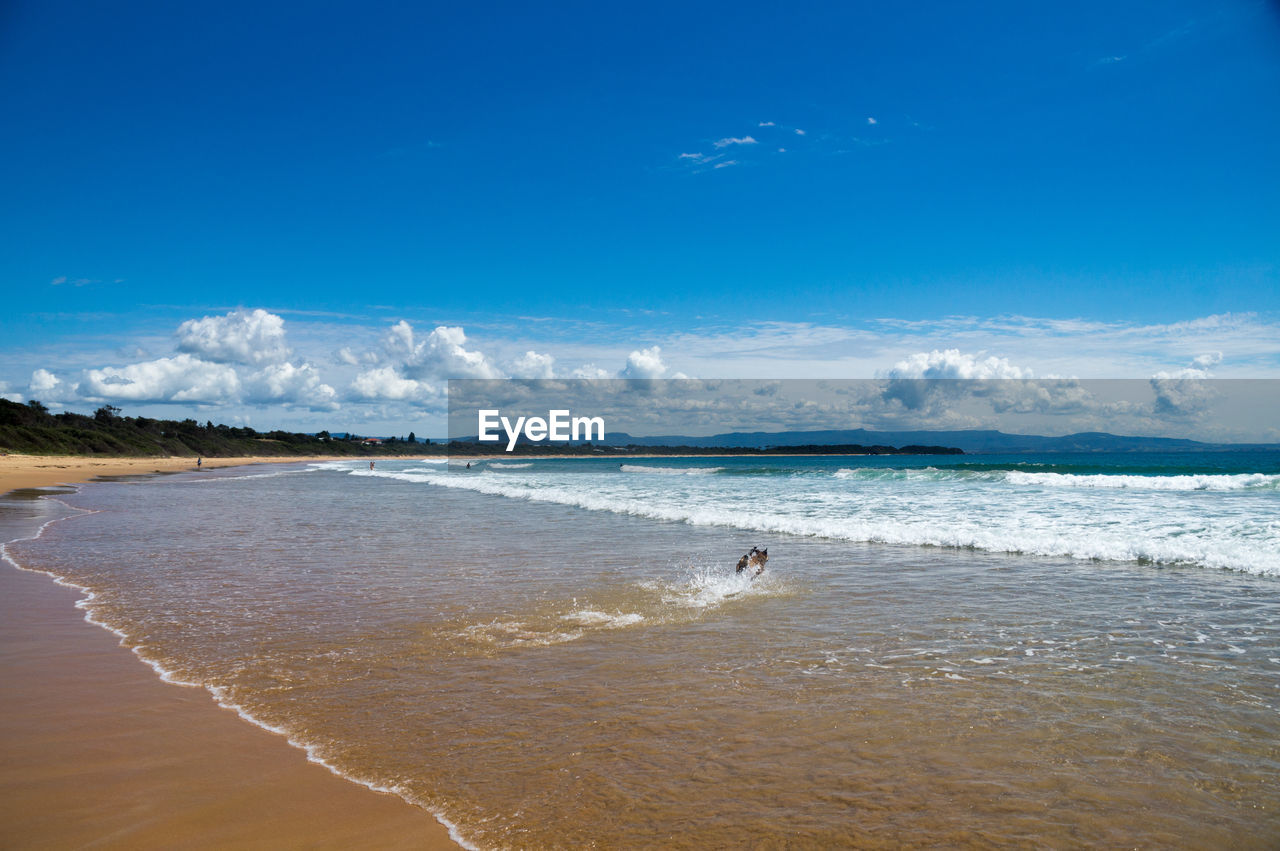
{"points": [[371, 441]]}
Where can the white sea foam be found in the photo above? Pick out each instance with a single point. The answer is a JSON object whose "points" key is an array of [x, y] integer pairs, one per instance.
{"points": [[1198, 482], [670, 471], [1238, 481], [706, 586], [1125, 529], [617, 620], [206, 479], [498, 465]]}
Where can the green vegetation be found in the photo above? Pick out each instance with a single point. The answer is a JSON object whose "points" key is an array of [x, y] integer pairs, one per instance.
{"points": [[31, 429]]}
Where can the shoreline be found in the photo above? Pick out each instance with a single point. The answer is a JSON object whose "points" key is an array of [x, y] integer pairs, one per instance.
{"points": [[101, 751], [36, 471]]}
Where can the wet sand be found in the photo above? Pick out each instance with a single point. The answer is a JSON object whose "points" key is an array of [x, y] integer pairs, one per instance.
{"points": [[99, 752]]}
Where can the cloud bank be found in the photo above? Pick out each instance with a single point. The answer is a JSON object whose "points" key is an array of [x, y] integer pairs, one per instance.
{"points": [[252, 362]]}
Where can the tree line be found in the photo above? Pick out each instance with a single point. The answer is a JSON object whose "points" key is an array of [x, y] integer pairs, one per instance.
{"points": [[33, 429]]}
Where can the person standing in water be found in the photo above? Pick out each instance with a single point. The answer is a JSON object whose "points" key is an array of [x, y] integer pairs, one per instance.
{"points": [[370, 465]]}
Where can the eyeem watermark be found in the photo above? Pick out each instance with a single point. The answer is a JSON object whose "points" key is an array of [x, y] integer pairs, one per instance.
{"points": [[558, 427]]}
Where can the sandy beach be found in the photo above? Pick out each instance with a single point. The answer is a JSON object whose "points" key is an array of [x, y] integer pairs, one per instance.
{"points": [[99, 752], [37, 471]]}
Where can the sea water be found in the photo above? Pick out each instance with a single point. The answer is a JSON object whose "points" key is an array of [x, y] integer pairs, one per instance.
{"points": [[973, 651]]}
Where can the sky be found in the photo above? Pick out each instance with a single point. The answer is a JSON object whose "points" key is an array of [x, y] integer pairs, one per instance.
{"points": [[310, 216]]}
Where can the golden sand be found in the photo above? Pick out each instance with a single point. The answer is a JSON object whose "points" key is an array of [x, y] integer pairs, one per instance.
{"points": [[98, 751], [34, 471]]}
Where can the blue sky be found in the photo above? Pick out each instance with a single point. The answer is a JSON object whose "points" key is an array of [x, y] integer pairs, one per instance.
{"points": [[312, 214]]}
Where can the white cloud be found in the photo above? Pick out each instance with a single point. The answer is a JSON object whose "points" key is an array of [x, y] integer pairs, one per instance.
{"points": [[726, 164], [248, 337], [1207, 360], [1199, 368], [443, 354], [182, 378], [644, 363], [44, 385], [349, 357], [533, 365], [799, 132], [419, 368], [745, 140], [871, 120], [291, 385], [953, 363], [386, 383], [1184, 394], [766, 124], [591, 371]]}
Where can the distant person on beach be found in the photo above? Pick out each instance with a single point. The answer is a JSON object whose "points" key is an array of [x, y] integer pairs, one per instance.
{"points": [[370, 465], [199, 462]]}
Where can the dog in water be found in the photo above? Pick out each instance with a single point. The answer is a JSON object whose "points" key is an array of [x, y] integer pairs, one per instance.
{"points": [[756, 558]]}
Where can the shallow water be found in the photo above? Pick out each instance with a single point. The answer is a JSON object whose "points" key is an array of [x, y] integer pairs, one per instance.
{"points": [[543, 674]]}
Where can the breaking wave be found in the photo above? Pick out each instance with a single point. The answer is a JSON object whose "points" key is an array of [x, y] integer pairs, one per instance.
{"points": [[670, 471]]}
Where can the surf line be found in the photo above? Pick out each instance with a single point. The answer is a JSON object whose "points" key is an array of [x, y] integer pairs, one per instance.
{"points": [[559, 426]]}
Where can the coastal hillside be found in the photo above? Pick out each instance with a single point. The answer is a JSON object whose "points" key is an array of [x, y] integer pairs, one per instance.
{"points": [[32, 429]]}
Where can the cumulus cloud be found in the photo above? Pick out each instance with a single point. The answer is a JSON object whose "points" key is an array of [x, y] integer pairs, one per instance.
{"points": [[45, 385], [5, 393], [1199, 368], [420, 366], [291, 385], [1207, 360], [1183, 396], [732, 140], [182, 378], [1184, 393], [533, 365], [346, 355], [386, 383], [923, 381], [644, 363], [248, 337], [441, 355], [953, 363]]}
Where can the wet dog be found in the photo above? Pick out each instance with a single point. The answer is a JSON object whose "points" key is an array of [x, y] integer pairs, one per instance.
{"points": [[756, 558]]}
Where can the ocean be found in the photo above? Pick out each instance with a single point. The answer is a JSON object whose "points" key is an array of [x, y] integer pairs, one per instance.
{"points": [[965, 651]]}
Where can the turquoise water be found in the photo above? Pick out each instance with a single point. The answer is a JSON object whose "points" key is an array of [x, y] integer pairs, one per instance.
{"points": [[1216, 510]]}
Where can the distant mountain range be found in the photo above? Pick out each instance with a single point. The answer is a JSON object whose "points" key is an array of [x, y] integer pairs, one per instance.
{"points": [[974, 441]]}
